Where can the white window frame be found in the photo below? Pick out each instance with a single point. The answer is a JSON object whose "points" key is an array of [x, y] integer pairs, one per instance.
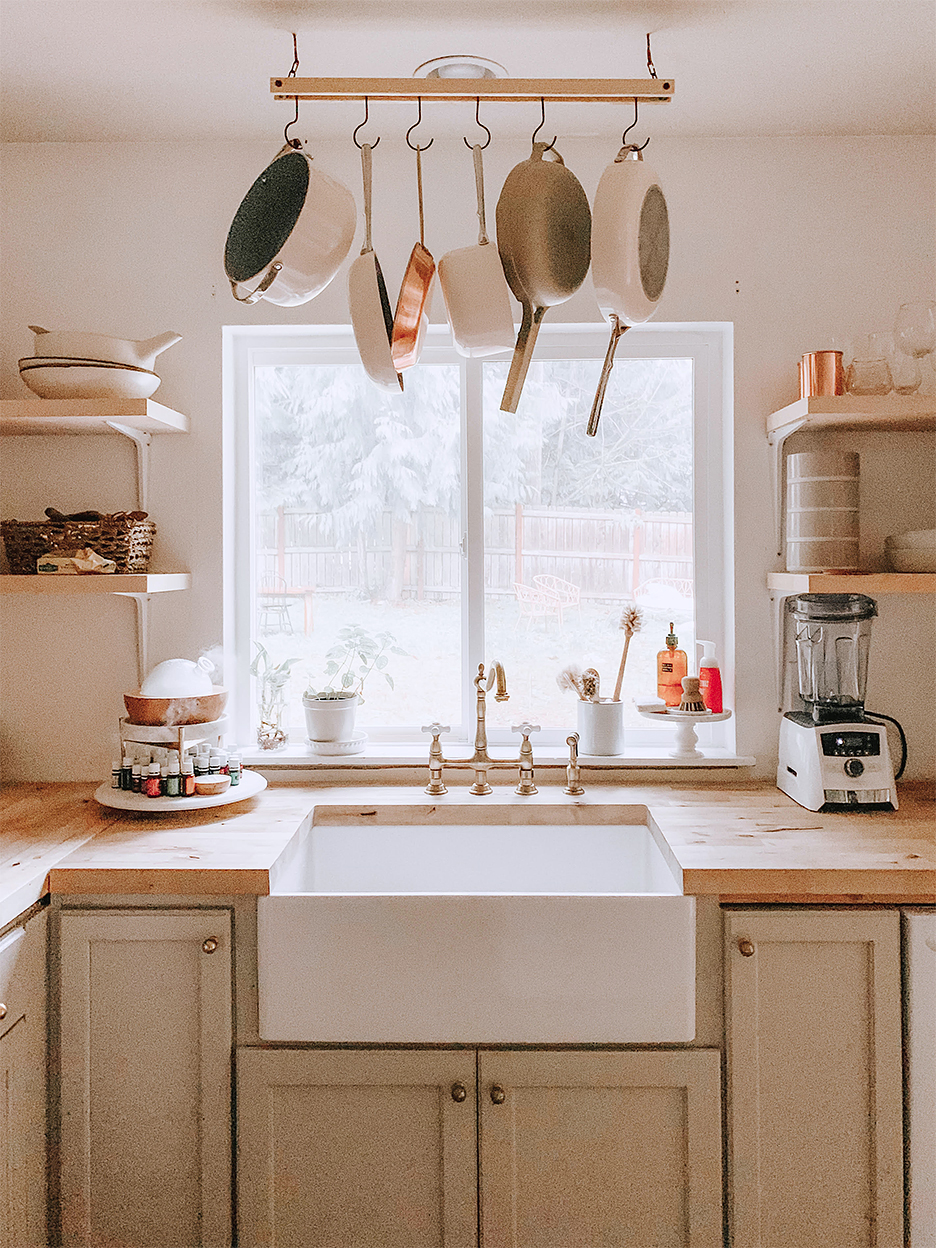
{"points": [[709, 345]]}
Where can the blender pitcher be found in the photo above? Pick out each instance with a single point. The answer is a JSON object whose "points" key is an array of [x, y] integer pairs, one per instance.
{"points": [[832, 634]]}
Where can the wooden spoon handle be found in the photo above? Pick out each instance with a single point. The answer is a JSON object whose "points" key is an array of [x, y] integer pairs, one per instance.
{"points": [[523, 354]]}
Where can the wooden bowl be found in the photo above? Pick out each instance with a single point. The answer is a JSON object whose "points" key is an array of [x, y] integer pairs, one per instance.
{"points": [[212, 786], [202, 708]]}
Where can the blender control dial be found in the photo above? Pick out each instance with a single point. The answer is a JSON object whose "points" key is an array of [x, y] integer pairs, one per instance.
{"points": [[854, 767]]}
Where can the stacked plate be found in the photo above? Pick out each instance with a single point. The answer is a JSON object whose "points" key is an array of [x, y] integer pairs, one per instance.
{"points": [[911, 552], [66, 377]]}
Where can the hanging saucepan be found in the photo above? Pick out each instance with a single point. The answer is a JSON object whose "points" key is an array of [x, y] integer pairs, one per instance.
{"points": [[630, 252], [543, 234], [476, 296], [368, 301], [410, 318], [292, 231]]}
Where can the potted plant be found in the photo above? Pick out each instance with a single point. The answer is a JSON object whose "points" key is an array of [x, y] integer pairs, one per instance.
{"points": [[273, 679], [330, 711]]}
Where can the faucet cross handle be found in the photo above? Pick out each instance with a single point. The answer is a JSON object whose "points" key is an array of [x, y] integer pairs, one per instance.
{"points": [[436, 786], [526, 728], [436, 729], [526, 786]]}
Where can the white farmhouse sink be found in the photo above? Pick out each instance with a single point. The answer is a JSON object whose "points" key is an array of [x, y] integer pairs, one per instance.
{"points": [[458, 923]]}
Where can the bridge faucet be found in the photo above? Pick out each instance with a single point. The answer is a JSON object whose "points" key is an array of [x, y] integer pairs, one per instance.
{"points": [[480, 759]]}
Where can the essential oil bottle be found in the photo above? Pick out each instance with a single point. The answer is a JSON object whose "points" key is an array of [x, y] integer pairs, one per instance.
{"points": [[672, 666]]}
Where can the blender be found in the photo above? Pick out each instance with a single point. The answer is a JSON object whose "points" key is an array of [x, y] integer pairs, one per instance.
{"points": [[833, 754]]}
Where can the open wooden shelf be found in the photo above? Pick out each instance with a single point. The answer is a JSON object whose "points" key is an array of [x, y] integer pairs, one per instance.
{"points": [[852, 411], [113, 583], [57, 416], [852, 582]]}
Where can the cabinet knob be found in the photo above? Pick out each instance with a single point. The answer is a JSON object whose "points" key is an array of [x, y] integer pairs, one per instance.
{"points": [[459, 1092], [498, 1094], [747, 947], [3, 1011], [209, 945]]}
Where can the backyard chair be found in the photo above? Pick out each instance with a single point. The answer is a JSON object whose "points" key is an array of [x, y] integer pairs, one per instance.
{"points": [[567, 594], [273, 604], [536, 604]]}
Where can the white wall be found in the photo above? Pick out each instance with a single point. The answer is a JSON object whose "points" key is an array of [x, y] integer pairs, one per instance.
{"points": [[794, 240]]}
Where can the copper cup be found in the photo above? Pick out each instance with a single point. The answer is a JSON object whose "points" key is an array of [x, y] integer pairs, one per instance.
{"points": [[821, 372]]}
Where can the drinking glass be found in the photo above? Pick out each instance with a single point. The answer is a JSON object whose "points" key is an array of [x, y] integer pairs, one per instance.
{"points": [[915, 328], [868, 377], [904, 369]]}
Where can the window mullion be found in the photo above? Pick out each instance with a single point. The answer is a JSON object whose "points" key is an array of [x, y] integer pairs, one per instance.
{"points": [[473, 534]]}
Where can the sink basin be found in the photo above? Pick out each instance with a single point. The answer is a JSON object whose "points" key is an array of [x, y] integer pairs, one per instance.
{"points": [[457, 923]]}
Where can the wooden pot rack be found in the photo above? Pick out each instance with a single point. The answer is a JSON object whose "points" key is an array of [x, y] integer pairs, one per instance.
{"points": [[505, 90]]}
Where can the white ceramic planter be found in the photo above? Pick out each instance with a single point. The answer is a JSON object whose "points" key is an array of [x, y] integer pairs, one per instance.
{"points": [[330, 717], [601, 727]]}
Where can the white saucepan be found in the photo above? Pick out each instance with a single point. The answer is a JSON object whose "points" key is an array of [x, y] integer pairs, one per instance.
{"points": [[289, 236], [629, 252], [369, 304], [477, 298]]}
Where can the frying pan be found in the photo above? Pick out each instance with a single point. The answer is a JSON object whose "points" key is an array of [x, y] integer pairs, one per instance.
{"points": [[475, 291], [410, 319], [368, 302], [543, 236], [630, 253], [292, 231]]}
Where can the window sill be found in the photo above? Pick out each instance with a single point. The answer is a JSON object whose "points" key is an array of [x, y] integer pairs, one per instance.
{"points": [[385, 756]]}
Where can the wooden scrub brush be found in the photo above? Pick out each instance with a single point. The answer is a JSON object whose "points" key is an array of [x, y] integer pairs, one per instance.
{"points": [[691, 702]]}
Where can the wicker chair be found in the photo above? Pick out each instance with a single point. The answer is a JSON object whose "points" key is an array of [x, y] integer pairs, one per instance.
{"points": [[566, 594]]}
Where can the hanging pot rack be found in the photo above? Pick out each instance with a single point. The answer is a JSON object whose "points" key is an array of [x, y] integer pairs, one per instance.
{"points": [[504, 90]]}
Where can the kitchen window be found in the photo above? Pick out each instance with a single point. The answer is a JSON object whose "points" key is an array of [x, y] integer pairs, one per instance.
{"points": [[468, 534]]}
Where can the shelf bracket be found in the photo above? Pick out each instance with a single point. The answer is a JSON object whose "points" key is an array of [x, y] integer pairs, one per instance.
{"points": [[777, 439], [142, 441], [142, 631]]}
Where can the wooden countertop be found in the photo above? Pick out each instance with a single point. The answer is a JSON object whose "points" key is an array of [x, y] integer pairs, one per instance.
{"points": [[740, 841]]}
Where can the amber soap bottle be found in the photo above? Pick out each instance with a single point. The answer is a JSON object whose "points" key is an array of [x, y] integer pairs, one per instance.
{"points": [[672, 666]]}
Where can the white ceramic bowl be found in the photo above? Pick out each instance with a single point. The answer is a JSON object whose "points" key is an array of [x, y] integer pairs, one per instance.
{"points": [[907, 559], [916, 539], [77, 379]]}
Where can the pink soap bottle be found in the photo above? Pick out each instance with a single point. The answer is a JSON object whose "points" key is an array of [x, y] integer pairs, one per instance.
{"points": [[710, 684]]}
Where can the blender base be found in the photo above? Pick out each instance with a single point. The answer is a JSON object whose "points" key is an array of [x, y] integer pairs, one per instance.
{"points": [[835, 766]]}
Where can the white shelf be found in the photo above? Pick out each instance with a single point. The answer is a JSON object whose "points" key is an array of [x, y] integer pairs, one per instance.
{"points": [[71, 416], [852, 582], [852, 411], [112, 583]]}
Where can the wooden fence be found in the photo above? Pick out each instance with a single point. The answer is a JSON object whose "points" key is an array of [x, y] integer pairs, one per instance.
{"points": [[608, 554]]}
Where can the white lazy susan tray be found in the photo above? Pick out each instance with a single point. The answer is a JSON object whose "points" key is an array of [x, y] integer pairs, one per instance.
{"points": [[250, 785]]}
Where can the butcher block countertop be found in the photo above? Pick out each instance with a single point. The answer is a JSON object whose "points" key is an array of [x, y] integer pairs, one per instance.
{"points": [[739, 841]]}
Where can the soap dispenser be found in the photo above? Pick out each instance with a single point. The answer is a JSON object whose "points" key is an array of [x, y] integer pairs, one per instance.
{"points": [[710, 678], [672, 666]]}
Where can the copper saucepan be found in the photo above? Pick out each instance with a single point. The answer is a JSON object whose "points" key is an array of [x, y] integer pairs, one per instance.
{"points": [[543, 236], [410, 318]]}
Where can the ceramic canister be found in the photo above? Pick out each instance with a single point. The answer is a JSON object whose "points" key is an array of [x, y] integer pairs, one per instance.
{"points": [[822, 511]]}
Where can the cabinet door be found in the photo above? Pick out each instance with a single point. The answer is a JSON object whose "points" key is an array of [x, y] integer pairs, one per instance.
{"points": [[23, 1087], [594, 1150], [356, 1149], [814, 1060], [145, 1079]]}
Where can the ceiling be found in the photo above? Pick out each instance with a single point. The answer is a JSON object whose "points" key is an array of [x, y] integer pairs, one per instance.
{"points": [[154, 70]]}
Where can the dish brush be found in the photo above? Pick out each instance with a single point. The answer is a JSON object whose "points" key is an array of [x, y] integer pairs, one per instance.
{"points": [[691, 702], [631, 620], [591, 683]]}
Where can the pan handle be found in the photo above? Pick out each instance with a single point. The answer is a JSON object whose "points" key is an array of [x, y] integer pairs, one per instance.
{"points": [[257, 292], [617, 330], [366, 173], [479, 187], [523, 354]]}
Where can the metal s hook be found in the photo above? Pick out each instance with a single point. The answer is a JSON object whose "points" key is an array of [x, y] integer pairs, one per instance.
{"points": [[361, 127], [630, 127], [415, 147], [472, 146], [294, 143], [650, 65], [540, 126]]}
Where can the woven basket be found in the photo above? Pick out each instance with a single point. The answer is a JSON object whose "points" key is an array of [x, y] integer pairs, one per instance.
{"points": [[121, 537]]}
